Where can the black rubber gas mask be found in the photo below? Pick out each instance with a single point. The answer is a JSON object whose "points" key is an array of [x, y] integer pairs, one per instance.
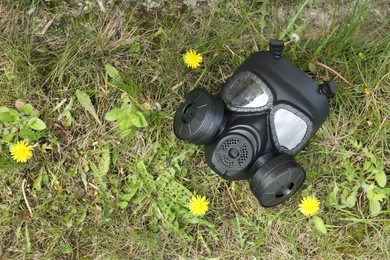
{"points": [[266, 113]]}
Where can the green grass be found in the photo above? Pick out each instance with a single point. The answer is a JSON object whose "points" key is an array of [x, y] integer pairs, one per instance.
{"points": [[97, 192]]}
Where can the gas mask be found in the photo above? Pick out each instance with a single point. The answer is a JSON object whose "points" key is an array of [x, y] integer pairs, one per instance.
{"points": [[266, 113]]}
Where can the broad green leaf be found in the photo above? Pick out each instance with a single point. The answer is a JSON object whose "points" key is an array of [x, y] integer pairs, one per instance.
{"points": [[206, 223], [319, 224], [68, 118], [312, 67], [115, 156], [141, 116], [72, 170], [8, 137], [140, 200], [113, 73], [351, 200], [378, 196], [30, 135], [65, 249], [147, 178], [125, 101], [190, 218], [83, 176], [362, 56], [135, 48], [344, 194], [385, 191], [350, 172], [104, 163], [134, 120], [133, 184], [366, 166], [85, 101], [14, 114], [125, 132], [97, 173], [42, 50], [114, 114], [375, 206], [380, 177], [27, 243], [67, 114], [137, 119], [122, 204], [332, 198], [68, 221], [81, 217], [125, 122], [37, 124], [126, 197], [117, 79], [7, 116], [26, 108], [38, 181]]}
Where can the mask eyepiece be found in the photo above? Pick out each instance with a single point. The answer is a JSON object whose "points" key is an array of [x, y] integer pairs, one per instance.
{"points": [[290, 128], [246, 92]]}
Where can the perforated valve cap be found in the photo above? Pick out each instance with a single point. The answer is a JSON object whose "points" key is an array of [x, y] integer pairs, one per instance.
{"points": [[199, 117]]}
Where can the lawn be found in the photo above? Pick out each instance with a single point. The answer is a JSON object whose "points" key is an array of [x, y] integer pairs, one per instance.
{"points": [[93, 87]]}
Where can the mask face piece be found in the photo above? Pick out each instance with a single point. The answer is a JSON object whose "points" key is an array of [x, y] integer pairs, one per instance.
{"points": [[266, 113]]}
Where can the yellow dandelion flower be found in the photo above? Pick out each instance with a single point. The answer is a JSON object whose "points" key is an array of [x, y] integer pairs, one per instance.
{"points": [[198, 205], [192, 59], [366, 91], [309, 206], [21, 151], [58, 185]]}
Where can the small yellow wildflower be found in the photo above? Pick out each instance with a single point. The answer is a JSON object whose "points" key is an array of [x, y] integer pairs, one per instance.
{"points": [[192, 59], [198, 205], [366, 91], [309, 206], [21, 151], [58, 185]]}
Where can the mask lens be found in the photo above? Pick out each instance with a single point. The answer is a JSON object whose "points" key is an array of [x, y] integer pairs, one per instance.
{"points": [[290, 128], [246, 92]]}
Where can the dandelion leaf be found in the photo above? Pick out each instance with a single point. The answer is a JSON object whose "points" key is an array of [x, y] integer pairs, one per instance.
{"points": [[319, 224], [380, 178], [37, 124], [85, 101], [26, 108]]}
